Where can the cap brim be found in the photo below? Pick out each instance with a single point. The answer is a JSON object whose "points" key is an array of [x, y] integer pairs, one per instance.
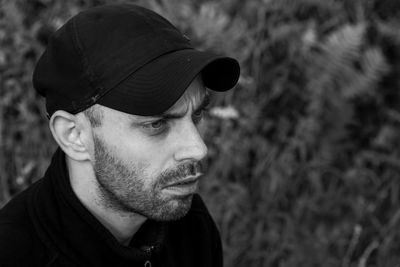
{"points": [[156, 86]]}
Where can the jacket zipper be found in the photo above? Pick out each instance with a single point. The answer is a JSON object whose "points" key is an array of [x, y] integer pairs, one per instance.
{"points": [[148, 250]]}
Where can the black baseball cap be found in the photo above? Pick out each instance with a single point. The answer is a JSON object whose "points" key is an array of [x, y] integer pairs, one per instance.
{"points": [[127, 58]]}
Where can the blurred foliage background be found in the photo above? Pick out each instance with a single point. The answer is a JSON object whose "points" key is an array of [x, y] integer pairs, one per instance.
{"points": [[304, 162]]}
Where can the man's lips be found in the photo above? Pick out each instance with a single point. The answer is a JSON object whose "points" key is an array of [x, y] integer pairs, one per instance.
{"points": [[186, 181]]}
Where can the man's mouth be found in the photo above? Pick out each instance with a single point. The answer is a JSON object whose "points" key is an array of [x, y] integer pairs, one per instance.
{"points": [[185, 186], [186, 180]]}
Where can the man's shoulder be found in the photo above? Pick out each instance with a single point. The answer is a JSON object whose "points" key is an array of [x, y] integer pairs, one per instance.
{"points": [[15, 230], [18, 239], [16, 211], [15, 242], [20, 247], [15, 233]]}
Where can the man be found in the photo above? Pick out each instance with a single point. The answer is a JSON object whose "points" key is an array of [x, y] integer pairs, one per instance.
{"points": [[124, 93]]}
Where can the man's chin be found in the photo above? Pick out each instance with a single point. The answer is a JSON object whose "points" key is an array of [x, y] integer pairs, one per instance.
{"points": [[173, 209]]}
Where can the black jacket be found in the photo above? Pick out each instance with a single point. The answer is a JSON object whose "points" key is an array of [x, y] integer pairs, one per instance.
{"points": [[46, 225]]}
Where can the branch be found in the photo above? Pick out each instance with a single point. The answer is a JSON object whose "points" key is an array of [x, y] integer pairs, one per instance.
{"points": [[364, 258]]}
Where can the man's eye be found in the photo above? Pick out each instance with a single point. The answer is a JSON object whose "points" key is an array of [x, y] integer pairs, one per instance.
{"points": [[155, 127], [198, 115], [157, 124]]}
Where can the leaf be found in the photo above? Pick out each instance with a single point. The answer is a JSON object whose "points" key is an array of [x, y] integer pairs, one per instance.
{"points": [[343, 45], [364, 82]]}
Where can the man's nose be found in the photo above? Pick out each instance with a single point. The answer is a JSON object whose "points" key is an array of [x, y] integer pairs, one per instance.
{"points": [[191, 146]]}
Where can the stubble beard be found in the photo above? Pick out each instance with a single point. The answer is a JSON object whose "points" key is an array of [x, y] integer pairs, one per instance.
{"points": [[122, 188]]}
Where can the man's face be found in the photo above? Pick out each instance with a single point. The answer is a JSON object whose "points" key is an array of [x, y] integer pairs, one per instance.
{"points": [[149, 165]]}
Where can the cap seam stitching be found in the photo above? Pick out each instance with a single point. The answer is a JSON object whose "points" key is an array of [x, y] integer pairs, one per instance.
{"points": [[92, 78]]}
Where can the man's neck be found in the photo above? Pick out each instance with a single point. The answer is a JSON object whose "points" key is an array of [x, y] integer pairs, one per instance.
{"points": [[122, 225]]}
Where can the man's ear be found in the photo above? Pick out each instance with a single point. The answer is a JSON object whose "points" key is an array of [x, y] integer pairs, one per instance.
{"points": [[68, 133]]}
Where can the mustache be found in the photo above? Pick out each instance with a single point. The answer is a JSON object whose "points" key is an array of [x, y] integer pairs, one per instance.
{"points": [[180, 172]]}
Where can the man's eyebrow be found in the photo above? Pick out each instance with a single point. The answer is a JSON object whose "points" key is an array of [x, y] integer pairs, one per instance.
{"points": [[171, 115]]}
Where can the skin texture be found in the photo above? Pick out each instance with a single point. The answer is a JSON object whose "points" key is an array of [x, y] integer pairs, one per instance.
{"points": [[128, 168]]}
